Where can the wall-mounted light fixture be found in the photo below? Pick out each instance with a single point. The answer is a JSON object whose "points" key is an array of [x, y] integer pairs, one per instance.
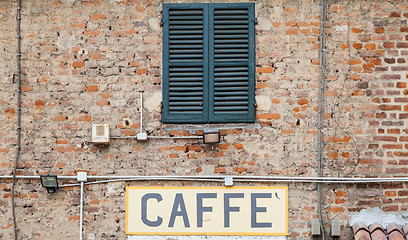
{"points": [[211, 136], [49, 182]]}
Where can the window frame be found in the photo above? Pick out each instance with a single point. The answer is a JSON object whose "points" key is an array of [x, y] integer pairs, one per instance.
{"points": [[208, 115]]}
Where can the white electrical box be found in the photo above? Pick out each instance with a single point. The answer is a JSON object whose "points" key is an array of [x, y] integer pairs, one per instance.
{"points": [[335, 228], [316, 227], [100, 134], [141, 137], [82, 176]]}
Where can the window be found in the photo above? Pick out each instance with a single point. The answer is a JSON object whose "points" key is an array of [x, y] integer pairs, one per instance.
{"points": [[208, 63]]}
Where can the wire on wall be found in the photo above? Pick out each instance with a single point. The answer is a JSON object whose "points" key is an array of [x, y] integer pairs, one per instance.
{"points": [[341, 100], [320, 123], [18, 146], [347, 81]]}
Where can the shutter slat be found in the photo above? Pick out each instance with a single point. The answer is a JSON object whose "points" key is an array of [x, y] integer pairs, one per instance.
{"points": [[231, 93], [185, 57], [234, 31], [232, 12], [180, 89], [182, 17], [236, 46], [231, 73], [186, 42], [184, 94], [185, 84], [230, 84], [191, 46], [186, 51], [231, 36], [186, 32], [182, 27], [190, 22], [186, 79], [235, 103], [189, 103], [174, 70], [232, 69], [230, 89], [231, 26], [185, 73], [232, 22], [186, 37], [229, 79], [184, 12], [231, 108], [230, 17], [229, 56], [186, 99], [245, 98], [185, 108], [231, 41]]}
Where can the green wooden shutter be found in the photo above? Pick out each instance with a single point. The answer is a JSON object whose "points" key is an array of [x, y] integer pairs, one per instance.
{"points": [[232, 62], [185, 63]]}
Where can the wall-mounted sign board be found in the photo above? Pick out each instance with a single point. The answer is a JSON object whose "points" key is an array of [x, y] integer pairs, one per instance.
{"points": [[207, 210]]}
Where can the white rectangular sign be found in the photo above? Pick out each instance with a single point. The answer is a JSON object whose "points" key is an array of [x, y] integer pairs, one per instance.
{"points": [[207, 210]]}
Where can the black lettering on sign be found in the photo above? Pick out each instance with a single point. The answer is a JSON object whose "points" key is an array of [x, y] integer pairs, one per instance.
{"points": [[255, 209], [146, 221], [179, 201]]}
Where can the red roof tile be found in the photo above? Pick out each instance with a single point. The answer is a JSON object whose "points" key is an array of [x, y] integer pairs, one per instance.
{"points": [[405, 230], [395, 232], [376, 232], [361, 232]]}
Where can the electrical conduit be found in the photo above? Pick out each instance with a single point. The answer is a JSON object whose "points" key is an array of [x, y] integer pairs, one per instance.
{"points": [[18, 146]]}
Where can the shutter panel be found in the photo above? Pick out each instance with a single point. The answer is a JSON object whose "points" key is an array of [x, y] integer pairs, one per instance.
{"points": [[232, 62], [185, 63]]}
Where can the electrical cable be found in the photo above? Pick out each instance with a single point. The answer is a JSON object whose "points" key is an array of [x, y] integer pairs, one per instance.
{"points": [[320, 140], [347, 80], [336, 118], [18, 146]]}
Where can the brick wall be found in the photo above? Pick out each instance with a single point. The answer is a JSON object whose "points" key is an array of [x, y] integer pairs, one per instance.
{"points": [[84, 62]]}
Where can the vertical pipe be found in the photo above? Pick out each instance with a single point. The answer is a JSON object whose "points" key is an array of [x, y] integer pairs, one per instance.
{"points": [[13, 205], [141, 111], [320, 136], [81, 206]]}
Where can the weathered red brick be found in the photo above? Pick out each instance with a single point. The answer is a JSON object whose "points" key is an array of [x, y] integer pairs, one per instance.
{"points": [[268, 116], [97, 16], [389, 107], [385, 138], [85, 118], [78, 64], [91, 88], [264, 70]]}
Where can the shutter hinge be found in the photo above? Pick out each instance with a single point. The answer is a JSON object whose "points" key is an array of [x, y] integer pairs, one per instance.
{"points": [[255, 105], [161, 22], [255, 20]]}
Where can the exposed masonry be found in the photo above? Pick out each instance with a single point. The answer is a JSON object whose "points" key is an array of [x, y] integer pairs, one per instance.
{"points": [[84, 62]]}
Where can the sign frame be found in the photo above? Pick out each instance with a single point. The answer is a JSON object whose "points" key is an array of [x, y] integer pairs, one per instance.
{"points": [[285, 188]]}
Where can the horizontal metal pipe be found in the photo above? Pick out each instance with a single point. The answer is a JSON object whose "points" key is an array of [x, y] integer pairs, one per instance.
{"points": [[142, 179], [236, 178]]}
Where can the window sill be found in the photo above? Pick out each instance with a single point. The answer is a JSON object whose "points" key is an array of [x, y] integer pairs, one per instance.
{"points": [[220, 126]]}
